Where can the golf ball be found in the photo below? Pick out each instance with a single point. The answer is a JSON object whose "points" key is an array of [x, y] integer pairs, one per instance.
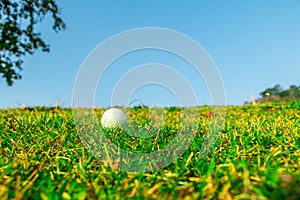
{"points": [[113, 118]]}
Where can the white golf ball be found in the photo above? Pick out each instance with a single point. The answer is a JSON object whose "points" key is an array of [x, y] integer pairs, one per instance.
{"points": [[113, 118]]}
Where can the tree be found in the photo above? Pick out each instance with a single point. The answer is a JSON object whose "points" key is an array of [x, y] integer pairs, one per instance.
{"points": [[278, 94], [272, 91], [18, 36]]}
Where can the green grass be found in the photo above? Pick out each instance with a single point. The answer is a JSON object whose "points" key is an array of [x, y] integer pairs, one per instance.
{"points": [[256, 157]]}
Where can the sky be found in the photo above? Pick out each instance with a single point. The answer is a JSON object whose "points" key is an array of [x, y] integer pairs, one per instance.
{"points": [[254, 44]]}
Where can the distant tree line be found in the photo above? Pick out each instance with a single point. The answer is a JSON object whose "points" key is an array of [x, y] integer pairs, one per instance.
{"points": [[277, 93]]}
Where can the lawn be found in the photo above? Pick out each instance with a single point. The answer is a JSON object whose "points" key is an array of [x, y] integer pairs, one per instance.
{"points": [[256, 156]]}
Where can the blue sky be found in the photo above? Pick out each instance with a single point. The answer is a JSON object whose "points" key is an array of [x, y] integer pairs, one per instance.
{"points": [[255, 45]]}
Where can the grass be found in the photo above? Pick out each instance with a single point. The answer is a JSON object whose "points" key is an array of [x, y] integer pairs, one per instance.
{"points": [[256, 157]]}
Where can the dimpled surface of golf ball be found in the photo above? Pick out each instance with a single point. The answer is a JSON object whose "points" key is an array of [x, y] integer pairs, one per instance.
{"points": [[114, 118]]}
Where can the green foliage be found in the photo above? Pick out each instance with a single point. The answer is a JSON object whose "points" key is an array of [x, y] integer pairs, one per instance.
{"points": [[272, 91], [18, 35], [256, 157], [278, 94]]}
